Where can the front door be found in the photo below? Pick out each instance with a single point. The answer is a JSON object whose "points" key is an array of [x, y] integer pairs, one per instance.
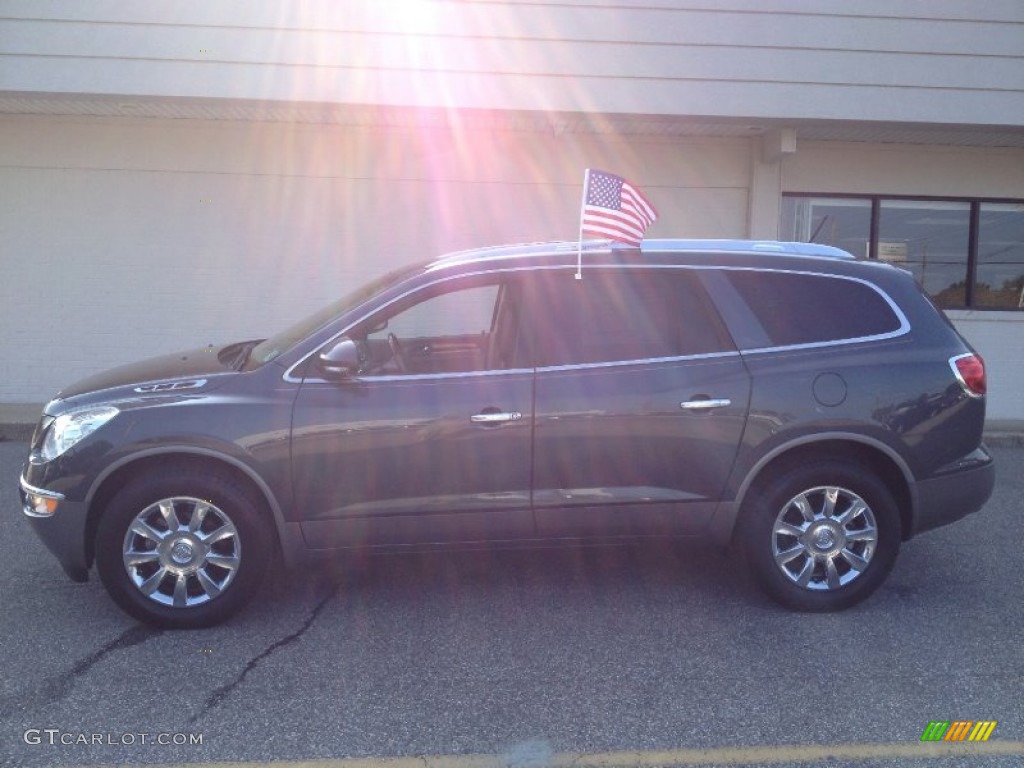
{"points": [[431, 441]]}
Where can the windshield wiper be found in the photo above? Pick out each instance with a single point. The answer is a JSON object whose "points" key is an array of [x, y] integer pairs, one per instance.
{"points": [[235, 356]]}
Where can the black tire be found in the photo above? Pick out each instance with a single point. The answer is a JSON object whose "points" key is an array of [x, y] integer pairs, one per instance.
{"points": [[806, 581], [208, 573]]}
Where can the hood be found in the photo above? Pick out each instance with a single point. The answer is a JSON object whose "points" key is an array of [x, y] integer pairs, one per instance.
{"points": [[167, 374]]}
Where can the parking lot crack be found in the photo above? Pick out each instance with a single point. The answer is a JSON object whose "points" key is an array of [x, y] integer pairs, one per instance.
{"points": [[215, 699], [59, 686]]}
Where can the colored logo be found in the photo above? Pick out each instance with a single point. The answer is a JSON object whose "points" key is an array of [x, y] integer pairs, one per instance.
{"points": [[958, 730]]}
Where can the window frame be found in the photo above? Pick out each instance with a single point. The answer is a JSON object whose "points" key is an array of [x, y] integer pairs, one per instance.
{"points": [[523, 275], [420, 295], [299, 371], [692, 275], [752, 338], [974, 232]]}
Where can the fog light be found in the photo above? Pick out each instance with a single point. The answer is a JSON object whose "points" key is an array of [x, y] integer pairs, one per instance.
{"points": [[39, 502], [39, 506]]}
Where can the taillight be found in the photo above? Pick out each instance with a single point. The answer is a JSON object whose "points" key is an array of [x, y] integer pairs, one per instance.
{"points": [[970, 372]]}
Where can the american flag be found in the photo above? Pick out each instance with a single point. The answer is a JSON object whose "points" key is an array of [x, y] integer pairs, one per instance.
{"points": [[615, 209]]}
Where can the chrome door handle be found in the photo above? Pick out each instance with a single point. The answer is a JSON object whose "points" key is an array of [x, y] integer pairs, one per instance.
{"points": [[495, 418], [706, 404]]}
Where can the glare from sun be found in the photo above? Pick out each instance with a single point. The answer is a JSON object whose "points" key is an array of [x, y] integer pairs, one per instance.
{"points": [[410, 16]]}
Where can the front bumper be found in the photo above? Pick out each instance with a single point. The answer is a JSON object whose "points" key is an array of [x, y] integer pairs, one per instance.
{"points": [[62, 531], [953, 495]]}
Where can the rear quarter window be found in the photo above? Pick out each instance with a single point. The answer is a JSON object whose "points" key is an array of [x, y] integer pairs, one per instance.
{"points": [[789, 309]]}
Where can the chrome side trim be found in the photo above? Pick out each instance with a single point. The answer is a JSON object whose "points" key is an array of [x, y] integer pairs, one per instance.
{"points": [[495, 418], [27, 488], [826, 344], [30, 490], [59, 397], [427, 376], [903, 329], [291, 379], [639, 361], [517, 251], [707, 247], [170, 386], [705, 405]]}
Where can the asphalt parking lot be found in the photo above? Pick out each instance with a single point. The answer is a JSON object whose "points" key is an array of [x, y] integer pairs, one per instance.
{"points": [[656, 651]]}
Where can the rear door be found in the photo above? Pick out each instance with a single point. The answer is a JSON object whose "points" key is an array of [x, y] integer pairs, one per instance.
{"points": [[641, 400]]}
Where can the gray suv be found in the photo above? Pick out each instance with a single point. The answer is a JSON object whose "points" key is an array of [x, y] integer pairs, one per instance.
{"points": [[813, 409]]}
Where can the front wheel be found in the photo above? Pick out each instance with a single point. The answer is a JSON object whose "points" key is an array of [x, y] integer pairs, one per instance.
{"points": [[182, 548], [821, 537]]}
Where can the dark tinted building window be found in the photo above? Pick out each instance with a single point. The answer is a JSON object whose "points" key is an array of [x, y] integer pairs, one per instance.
{"points": [[806, 309], [931, 239], [1000, 278], [963, 252], [844, 222], [616, 315]]}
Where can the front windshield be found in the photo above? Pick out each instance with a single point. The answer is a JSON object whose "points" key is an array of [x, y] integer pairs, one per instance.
{"points": [[279, 343]]}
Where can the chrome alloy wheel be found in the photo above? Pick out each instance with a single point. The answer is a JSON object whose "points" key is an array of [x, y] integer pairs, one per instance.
{"points": [[181, 551], [824, 538]]}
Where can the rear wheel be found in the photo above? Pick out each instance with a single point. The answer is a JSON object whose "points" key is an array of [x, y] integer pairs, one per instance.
{"points": [[182, 548], [821, 537]]}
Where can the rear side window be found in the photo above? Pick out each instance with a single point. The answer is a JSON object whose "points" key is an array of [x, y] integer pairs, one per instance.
{"points": [[619, 314], [789, 309]]}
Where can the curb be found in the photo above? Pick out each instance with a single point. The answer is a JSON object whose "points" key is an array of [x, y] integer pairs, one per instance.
{"points": [[1004, 440], [16, 433]]}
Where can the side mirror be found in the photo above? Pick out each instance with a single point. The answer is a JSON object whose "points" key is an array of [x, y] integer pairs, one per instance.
{"points": [[340, 360]]}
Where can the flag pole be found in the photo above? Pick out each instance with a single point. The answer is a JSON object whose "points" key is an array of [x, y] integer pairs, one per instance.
{"points": [[579, 242]]}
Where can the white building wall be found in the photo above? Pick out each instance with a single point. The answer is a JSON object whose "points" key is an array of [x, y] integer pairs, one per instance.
{"points": [[997, 338], [904, 169], [923, 61], [126, 238], [140, 236]]}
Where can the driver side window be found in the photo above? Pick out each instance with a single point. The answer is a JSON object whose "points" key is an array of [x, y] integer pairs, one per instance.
{"points": [[450, 332]]}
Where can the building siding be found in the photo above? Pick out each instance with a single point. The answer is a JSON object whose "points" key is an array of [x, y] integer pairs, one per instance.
{"points": [[920, 62], [900, 169], [128, 238], [996, 337]]}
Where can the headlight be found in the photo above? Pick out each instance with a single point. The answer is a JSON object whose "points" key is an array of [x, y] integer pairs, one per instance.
{"points": [[69, 428]]}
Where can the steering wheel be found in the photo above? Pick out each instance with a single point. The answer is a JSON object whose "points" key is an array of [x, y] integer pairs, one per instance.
{"points": [[396, 352]]}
